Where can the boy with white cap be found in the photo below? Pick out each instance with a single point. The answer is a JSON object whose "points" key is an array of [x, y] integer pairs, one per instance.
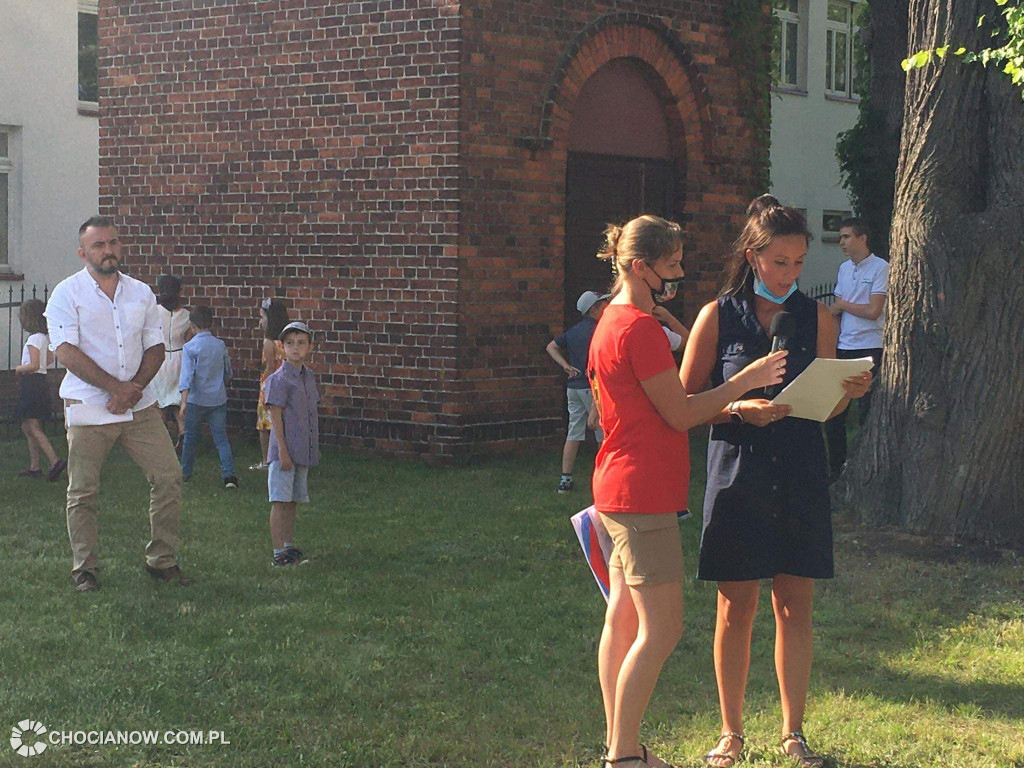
{"points": [[576, 343], [292, 396]]}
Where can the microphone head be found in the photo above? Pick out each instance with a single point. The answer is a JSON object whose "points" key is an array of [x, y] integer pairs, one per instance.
{"points": [[783, 325]]}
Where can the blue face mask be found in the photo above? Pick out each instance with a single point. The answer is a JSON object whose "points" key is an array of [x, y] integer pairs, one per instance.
{"points": [[760, 289]]}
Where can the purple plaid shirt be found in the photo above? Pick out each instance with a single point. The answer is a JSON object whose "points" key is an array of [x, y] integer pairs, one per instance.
{"points": [[294, 391]]}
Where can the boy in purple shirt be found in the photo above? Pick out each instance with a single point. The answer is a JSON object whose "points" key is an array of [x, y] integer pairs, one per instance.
{"points": [[292, 397]]}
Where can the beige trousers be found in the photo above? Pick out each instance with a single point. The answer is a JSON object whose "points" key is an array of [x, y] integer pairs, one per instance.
{"points": [[146, 440]]}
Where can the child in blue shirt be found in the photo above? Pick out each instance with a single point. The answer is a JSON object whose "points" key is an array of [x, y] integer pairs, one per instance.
{"points": [[205, 369]]}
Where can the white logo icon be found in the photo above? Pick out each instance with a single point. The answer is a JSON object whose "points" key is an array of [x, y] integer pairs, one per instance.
{"points": [[22, 733]]}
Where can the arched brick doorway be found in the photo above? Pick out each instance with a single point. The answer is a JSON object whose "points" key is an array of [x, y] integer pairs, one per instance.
{"points": [[620, 164]]}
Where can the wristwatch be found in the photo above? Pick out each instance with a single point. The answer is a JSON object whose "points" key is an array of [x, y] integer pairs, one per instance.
{"points": [[734, 412]]}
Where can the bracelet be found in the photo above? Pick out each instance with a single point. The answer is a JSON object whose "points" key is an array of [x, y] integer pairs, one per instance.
{"points": [[734, 412]]}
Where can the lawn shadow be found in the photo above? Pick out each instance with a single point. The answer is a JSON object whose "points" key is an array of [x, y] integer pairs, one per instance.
{"points": [[902, 591]]}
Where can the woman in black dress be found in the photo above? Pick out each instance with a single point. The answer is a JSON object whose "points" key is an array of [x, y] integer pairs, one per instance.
{"points": [[766, 510]]}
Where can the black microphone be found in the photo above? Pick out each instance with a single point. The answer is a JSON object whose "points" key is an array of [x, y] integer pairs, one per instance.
{"points": [[783, 326]]}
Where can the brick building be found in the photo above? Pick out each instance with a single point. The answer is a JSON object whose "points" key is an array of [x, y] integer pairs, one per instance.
{"points": [[424, 181]]}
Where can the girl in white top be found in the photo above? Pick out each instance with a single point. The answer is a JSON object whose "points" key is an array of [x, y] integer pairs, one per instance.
{"points": [[175, 324], [34, 392]]}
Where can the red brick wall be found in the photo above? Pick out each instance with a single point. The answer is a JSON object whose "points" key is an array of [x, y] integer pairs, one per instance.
{"points": [[306, 150], [394, 170], [523, 65]]}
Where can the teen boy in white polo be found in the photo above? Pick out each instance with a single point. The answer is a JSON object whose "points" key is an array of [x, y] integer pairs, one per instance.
{"points": [[861, 290]]}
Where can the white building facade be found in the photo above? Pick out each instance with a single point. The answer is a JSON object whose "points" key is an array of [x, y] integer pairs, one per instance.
{"points": [[49, 145], [814, 99]]}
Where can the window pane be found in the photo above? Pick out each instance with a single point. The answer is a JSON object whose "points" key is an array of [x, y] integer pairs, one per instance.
{"points": [[839, 12], [3, 217], [3, 144], [791, 39], [842, 55], [776, 52], [861, 67], [830, 220], [828, 59], [87, 54], [793, 6], [861, 61]]}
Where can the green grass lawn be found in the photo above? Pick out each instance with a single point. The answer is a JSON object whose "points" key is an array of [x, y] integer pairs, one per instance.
{"points": [[447, 619]]}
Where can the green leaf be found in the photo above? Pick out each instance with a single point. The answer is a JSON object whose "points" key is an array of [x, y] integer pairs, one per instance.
{"points": [[916, 61], [960, 51], [941, 52]]}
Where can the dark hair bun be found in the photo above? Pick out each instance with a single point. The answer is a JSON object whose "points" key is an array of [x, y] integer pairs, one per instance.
{"points": [[761, 204], [168, 286]]}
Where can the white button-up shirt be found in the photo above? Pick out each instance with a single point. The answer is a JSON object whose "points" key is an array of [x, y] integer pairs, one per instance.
{"points": [[113, 333], [857, 283]]}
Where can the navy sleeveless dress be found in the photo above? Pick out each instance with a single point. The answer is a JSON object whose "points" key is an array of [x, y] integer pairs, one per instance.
{"points": [[766, 509]]}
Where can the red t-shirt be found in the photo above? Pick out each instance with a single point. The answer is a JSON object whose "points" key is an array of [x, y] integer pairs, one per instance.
{"points": [[643, 465]]}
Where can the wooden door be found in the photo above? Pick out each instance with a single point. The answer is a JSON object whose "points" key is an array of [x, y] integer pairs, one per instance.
{"points": [[603, 189]]}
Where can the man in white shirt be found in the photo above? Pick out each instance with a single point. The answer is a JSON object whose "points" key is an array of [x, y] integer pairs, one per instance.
{"points": [[104, 327], [861, 290]]}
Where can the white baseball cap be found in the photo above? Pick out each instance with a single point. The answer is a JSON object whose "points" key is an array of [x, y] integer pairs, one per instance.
{"points": [[588, 299]]}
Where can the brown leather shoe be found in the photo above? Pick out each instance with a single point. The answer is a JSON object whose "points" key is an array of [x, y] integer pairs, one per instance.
{"points": [[86, 582], [168, 574], [56, 470]]}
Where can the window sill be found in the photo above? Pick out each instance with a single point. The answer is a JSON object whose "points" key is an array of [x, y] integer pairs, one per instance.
{"points": [[7, 276], [89, 108], [789, 90], [842, 99]]}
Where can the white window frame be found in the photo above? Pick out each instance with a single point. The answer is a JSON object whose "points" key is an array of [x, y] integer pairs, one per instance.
{"points": [[784, 18], [87, 107], [851, 30], [11, 168], [6, 170]]}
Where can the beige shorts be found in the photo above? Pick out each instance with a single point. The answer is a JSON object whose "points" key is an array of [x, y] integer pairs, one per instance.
{"points": [[648, 549]]}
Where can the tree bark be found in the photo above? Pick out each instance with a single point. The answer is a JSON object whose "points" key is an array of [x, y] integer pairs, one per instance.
{"points": [[943, 449]]}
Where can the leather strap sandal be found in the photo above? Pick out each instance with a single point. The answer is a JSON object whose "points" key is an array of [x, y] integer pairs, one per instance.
{"points": [[727, 759], [808, 758], [647, 760]]}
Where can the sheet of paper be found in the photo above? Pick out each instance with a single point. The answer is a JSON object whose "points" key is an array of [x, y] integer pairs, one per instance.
{"points": [[93, 414], [816, 392]]}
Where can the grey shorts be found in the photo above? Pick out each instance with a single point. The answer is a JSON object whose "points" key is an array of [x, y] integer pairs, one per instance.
{"points": [[288, 486], [579, 402]]}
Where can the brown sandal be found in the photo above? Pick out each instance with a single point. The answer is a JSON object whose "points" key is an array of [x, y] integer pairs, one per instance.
{"points": [[809, 758], [713, 755]]}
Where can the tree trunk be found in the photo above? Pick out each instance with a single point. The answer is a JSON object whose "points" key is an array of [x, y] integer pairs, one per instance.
{"points": [[868, 153], [887, 45], [943, 449]]}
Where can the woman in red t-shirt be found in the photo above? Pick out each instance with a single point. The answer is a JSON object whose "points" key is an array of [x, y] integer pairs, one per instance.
{"points": [[642, 471]]}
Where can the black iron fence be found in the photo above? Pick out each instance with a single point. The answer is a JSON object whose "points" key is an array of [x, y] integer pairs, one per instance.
{"points": [[824, 292], [10, 325]]}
